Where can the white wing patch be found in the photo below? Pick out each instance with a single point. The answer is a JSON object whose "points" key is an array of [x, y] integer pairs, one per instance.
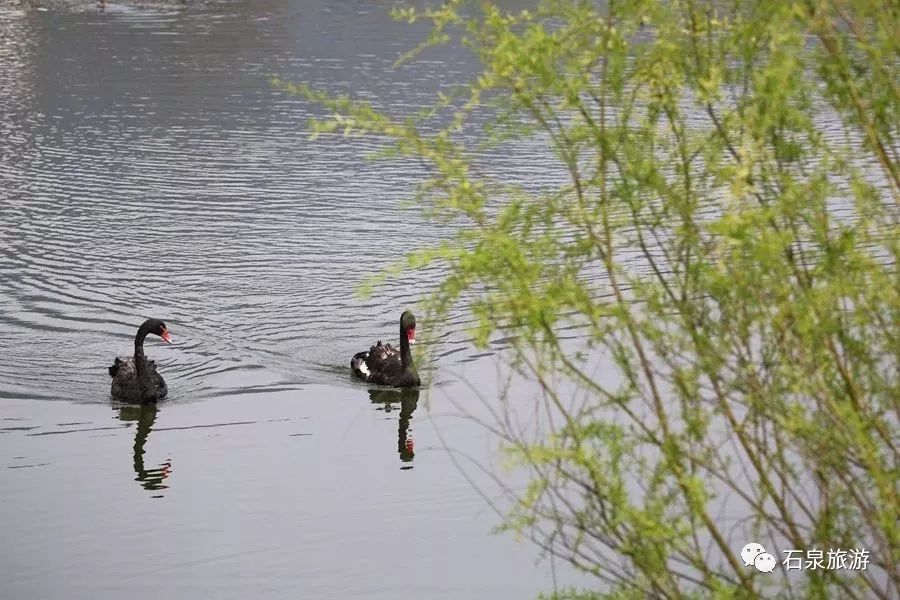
{"points": [[363, 368]]}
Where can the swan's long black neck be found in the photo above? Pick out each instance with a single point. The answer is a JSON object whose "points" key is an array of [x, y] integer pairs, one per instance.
{"points": [[139, 357], [405, 352]]}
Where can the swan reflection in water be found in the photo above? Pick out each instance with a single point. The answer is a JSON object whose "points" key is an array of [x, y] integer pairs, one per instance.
{"points": [[408, 399], [145, 414]]}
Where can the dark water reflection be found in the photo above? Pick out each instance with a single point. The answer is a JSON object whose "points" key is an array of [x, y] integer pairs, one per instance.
{"points": [[408, 400], [152, 480]]}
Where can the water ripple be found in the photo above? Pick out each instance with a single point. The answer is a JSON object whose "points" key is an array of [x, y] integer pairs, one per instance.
{"points": [[140, 179]]}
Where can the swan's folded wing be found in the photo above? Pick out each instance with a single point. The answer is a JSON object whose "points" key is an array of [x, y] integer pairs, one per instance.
{"points": [[122, 368], [393, 369], [115, 367], [383, 358]]}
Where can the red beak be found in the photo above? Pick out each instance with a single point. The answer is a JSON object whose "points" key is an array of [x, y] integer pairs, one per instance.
{"points": [[165, 336], [411, 335]]}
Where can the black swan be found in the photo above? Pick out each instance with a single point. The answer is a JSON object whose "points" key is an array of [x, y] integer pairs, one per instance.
{"points": [[384, 365], [135, 379]]}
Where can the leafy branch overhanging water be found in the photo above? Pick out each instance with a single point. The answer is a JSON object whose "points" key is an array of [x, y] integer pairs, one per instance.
{"points": [[726, 241]]}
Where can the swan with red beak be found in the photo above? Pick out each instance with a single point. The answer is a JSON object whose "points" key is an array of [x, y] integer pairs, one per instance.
{"points": [[384, 364], [135, 379]]}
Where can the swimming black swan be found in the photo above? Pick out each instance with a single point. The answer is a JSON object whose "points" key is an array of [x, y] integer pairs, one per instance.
{"points": [[135, 379], [384, 365]]}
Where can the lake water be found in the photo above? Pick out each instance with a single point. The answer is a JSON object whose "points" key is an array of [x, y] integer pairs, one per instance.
{"points": [[147, 168]]}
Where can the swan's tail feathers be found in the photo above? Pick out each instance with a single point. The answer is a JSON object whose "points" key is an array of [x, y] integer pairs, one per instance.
{"points": [[359, 366], [115, 367]]}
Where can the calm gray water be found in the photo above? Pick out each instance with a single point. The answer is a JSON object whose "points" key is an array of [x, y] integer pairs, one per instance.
{"points": [[147, 168]]}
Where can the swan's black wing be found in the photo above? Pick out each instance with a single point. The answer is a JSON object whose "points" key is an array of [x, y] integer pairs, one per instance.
{"points": [[385, 365], [115, 367], [383, 358], [123, 369], [380, 362], [126, 385]]}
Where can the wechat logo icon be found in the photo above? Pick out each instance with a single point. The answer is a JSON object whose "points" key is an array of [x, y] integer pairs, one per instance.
{"points": [[755, 554]]}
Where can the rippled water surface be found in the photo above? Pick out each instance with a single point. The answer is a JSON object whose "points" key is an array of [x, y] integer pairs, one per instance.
{"points": [[147, 168]]}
